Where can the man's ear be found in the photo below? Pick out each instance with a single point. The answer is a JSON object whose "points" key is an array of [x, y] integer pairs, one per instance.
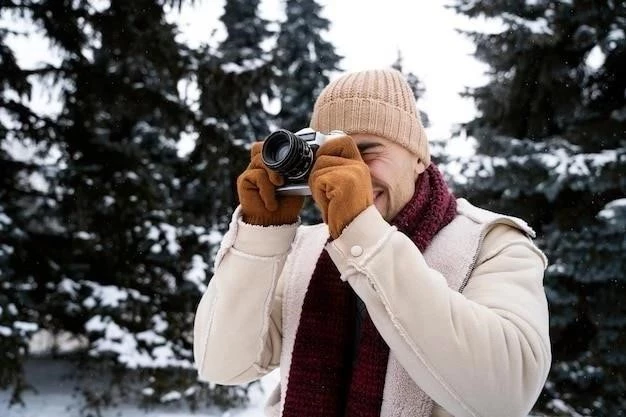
{"points": [[419, 167]]}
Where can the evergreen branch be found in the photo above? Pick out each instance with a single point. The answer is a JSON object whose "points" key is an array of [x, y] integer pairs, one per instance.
{"points": [[16, 165], [13, 190]]}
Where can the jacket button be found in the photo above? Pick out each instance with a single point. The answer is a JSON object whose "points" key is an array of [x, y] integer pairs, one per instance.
{"points": [[356, 250]]}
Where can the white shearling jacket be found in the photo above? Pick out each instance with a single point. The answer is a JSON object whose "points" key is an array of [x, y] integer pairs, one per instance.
{"points": [[466, 321]]}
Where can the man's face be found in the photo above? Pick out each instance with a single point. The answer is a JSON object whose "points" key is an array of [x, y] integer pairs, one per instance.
{"points": [[393, 170]]}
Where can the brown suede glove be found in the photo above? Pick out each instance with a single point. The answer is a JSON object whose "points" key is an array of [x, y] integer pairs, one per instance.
{"points": [[340, 183], [256, 187]]}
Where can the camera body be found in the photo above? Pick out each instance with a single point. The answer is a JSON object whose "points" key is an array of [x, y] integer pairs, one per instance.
{"points": [[292, 155]]}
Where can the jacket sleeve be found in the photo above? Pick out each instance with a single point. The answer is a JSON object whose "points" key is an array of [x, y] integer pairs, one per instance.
{"points": [[482, 353], [237, 328]]}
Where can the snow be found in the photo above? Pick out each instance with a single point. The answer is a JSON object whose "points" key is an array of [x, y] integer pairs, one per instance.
{"points": [[197, 272], [113, 331], [461, 146], [21, 327], [150, 337], [538, 26], [619, 114], [164, 357], [38, 182], [125, 345], [189, 92], [556, 269], [212, 121], [169, 232], [25, 327], [186, 143], [170, 235], [68, 286], [12, 309], [5, 249], [616, 34], [108, 200], [570, 167], [158, 352], [213, 238], [95, 324], [612, 210], [43, 342], [561, 407], [4, 219], [107, 295], [55, 395], [271, 106], [153, 233], [246, 65], [595, 59], [82, 235], [159, 324], [28, 151], [171, 396]]}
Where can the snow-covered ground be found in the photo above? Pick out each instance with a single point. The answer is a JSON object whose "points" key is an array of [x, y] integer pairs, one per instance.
{"points": [[56, 397]]}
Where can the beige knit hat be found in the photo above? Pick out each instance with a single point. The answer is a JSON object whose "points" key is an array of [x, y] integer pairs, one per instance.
{"points": [[378, 102]]}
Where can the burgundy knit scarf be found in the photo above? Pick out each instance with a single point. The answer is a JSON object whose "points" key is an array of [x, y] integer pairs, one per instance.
{"points": [[325, 379]]}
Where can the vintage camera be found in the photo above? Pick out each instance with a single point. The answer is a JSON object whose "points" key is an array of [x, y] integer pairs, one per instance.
{"points": [[292, 155]]}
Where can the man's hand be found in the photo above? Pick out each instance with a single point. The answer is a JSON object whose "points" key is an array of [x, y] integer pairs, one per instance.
{"points": [[256, 187], [340, 183]]}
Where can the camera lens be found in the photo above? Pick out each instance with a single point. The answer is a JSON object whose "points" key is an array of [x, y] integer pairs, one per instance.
{"points": [[287, 154]]}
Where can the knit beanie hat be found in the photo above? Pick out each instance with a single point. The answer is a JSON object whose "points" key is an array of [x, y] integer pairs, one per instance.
{"points": [[378, 102]]}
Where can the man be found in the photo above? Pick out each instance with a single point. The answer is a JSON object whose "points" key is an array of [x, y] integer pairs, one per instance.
{"points": [[405, 302]]}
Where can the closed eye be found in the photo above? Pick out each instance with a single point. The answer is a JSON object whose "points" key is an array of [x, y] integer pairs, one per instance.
{"points": [[369, 150], [364, 147], [368, 156]]}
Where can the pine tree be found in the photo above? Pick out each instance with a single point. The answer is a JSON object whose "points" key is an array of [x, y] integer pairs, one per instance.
{"points": [[437, 146], [234, 79], [27, 210], [106, 231], [415, 83], [551, 132], [246, 66], [105, 249], [304, 60], [124, 285]]}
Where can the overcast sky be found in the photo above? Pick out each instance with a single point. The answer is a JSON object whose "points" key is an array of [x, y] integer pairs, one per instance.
{"points": [[369, 34]]}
